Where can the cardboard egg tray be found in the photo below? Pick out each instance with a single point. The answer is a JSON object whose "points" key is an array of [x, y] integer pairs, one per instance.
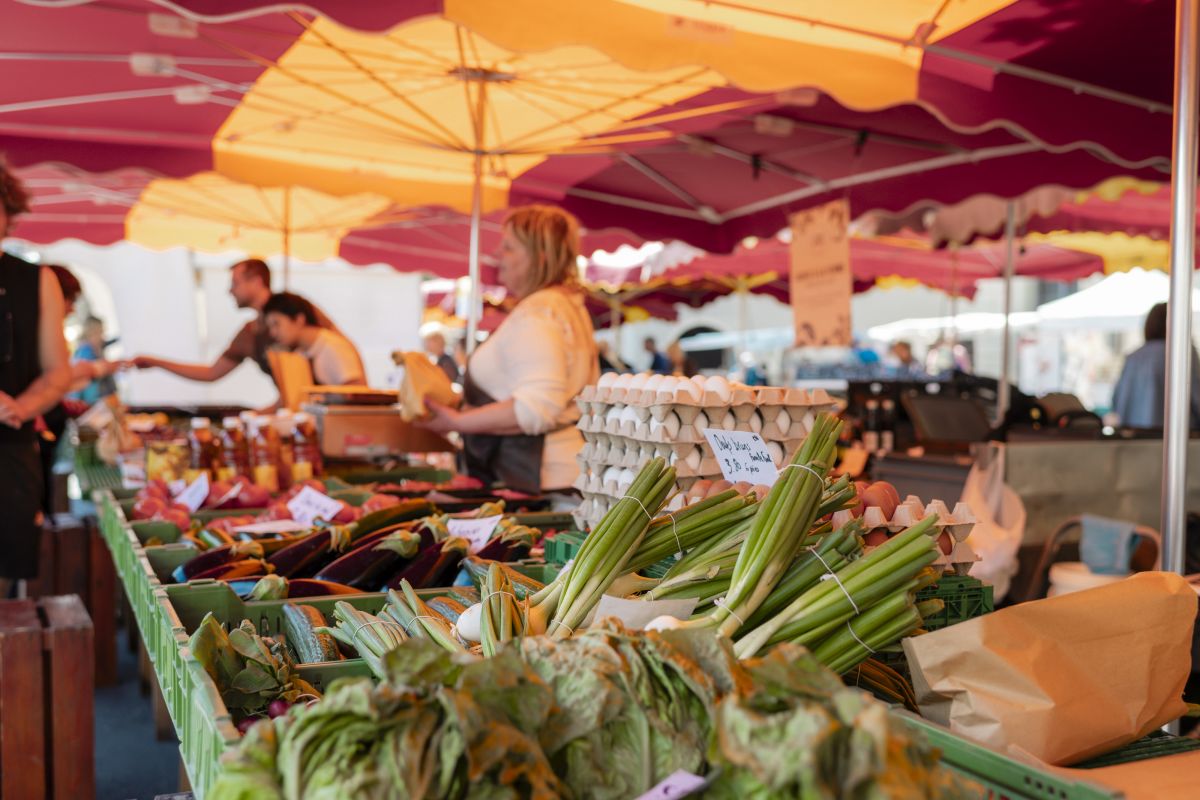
{"points": [[625, 428], [958, 523]]}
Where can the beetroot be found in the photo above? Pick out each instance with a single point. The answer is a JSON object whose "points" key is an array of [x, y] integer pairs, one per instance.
{"points": [[278, 708]]}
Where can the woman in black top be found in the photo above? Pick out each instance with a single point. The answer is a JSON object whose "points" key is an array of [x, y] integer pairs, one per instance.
{"points": [[34, 375]]}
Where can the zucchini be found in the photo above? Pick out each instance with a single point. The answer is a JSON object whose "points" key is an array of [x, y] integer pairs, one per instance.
{"points": [[523, 585], [310, 646], [467, 595], [448, 607]]}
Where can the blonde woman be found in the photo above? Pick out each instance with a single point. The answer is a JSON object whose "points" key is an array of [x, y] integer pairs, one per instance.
{"points": [[518, 425]]}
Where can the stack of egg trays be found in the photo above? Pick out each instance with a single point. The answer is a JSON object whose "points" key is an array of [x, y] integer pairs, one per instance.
{"points": [[623, 429], [957, 523]]}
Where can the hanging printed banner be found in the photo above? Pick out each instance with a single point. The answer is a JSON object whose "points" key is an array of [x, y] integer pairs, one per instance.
{"points": [[820, 283]]}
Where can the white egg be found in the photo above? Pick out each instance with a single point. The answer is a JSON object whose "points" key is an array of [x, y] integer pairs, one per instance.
{"points": [[729, 421], [776, 451], [756, 422], [606, 380], [693, 459], [718, 385], [614, 414], [612, 475], [622, 381], [629, 414], [638, 382], [653, 383], [784, 420], [671, 424], [699, 379], [669, 384], [655, 427], [626, 479], [688, 390], [700, 422]]}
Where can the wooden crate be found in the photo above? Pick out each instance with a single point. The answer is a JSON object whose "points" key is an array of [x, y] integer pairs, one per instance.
{"points": [[75, 560], [46, 705]]}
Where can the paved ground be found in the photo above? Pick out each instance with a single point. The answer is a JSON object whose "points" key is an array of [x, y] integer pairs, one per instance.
{"points": [[130, 764]]}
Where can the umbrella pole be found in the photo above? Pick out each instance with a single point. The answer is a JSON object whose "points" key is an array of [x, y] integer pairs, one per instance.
{"points": [[287, 238], [474, 310], [1177, 404], [743, 313], [1004, 398]]}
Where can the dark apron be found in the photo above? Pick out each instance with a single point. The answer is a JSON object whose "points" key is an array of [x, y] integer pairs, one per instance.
{"points": [[513, 460]]}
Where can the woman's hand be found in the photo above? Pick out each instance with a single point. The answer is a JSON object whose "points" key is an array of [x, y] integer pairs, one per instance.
{"points": [[442, 419]]}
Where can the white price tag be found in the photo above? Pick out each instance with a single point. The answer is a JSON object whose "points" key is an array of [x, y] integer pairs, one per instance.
{"points": [[272, 526], [743, 456], [310, 505], [98, 417], [635, 614], [195, 494], [176, 487], [230, 495], [679, 783], [477, 532]]}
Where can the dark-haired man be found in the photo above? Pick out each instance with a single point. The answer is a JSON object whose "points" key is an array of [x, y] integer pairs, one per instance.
{"points": [[293, 323], [250, 285], [34, 375]]}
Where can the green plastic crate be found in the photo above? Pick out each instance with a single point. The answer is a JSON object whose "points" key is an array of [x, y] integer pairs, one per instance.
{"points": [[562, 547], [964, 597], [1001, 776]]}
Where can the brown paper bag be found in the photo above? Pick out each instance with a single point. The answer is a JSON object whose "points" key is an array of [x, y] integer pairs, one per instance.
{"points": [[1062, 679]]}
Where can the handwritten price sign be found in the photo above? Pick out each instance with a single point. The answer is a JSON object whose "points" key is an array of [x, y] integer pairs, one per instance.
{"points": [[477, 532], [310, 505], [743, 456]]}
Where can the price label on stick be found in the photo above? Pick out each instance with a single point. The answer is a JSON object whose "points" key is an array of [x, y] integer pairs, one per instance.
{"points": [[176, 487], [477, 532], [272, 526], [679, 783], [195, 494], [310, 505], [743, 456]]}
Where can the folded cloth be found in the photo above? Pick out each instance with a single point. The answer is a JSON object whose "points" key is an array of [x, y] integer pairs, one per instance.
{"points": [[1106, 544]]}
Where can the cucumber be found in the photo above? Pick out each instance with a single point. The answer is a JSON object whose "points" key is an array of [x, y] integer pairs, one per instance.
{"points": [[299, 626], [466, 595]]}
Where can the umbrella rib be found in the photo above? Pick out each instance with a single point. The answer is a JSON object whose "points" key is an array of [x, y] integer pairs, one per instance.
{"points": [[766, 164], [451, 137], [955, 159], [268, 63], [663, 181]]}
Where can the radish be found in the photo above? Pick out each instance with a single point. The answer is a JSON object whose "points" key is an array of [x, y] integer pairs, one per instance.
{"points": [[247, 723], [278, 708]]}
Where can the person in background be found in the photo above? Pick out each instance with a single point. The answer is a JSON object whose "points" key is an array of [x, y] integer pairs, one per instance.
{"points": [[294, 324], [680, 363], [518, 423], [250, 286], [752, 372], [460, 356], [660, 364], [907, 367], [1139, 396], [34, 375], [609, 362], [435, 346], [89, 357]]}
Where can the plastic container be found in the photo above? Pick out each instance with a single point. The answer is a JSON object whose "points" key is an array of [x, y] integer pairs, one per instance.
{"points": [[264, 465], [203, 458], [306, 448], [1074, 576], [283, 431], [235, 455]]}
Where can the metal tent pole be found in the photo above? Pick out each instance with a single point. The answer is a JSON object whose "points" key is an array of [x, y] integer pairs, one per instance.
{"points": [[1004, 398], [1177, 401], [476, 293]]}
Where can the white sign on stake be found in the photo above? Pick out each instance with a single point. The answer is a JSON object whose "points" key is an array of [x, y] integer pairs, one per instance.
{"points": [[679, 783], [636, 614], [477, 532], [743, 456], [310, 505], [195, 494]]}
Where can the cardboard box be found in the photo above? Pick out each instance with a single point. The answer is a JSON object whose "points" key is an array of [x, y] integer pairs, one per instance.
{"points": [[371, 431]]}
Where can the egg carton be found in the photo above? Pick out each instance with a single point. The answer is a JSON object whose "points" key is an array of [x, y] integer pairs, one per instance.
{"points": [[705, 391], [958, 523], [687, 423]]}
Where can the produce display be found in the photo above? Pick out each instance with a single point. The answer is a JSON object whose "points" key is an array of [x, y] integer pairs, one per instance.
{"points": [[605, 714], [629, 419]]}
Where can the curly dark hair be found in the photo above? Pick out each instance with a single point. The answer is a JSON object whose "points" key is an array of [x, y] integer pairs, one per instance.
{"points": [[13, 197], [291, 306]]}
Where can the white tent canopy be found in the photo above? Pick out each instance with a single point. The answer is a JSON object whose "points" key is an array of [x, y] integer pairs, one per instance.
{"points": [[1115, 303]]}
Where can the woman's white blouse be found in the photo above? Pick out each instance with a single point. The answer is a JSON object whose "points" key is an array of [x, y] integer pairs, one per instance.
{"points": [[542, 356]]}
